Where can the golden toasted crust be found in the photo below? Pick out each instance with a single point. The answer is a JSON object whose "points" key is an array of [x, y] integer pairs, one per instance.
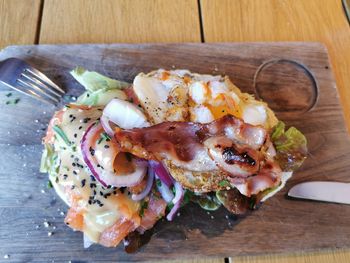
{"points": [[201, 182]]}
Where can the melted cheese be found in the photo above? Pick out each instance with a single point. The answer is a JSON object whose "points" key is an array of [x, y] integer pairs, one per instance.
{"points": [[102, 206]]}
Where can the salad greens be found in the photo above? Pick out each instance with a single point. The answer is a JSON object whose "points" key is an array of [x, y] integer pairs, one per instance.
{"points": [[291, 147], [99, 89]]}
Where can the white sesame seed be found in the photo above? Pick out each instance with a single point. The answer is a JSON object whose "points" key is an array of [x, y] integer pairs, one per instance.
{"points": [[42, 191], [36, 121], [49, 234], [46, 224], [62, 213], [6, 256]]}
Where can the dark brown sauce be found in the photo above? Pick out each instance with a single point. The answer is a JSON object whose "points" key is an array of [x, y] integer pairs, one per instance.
{"points": [[232, 156], [182, 140]]}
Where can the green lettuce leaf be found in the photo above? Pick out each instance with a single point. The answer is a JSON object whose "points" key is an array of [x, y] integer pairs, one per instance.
{"points": [[208, 202], [291, 147], [93, 81], [49, 161], [99, 89]]}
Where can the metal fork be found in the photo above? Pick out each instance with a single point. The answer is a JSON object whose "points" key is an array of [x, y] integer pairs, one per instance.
{"points": [[22, 77]]}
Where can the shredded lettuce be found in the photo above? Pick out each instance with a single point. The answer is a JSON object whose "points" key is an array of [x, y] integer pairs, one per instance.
{"points": [[93, 81], [49, 161], [291, 147], [99, 89], [208, 202]]}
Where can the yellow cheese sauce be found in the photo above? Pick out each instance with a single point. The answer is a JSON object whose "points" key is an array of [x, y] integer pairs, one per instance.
{"points": [[102, 206]]}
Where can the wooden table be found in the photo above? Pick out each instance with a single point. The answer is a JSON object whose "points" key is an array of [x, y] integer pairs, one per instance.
{"points": [[134, 21]]}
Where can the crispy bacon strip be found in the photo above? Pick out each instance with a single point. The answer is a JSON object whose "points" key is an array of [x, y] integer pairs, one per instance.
{"points": [[225, 148], [228, 144]]}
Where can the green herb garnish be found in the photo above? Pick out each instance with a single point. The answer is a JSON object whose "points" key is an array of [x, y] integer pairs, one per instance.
{"points": [[61, 133], [144, 206], [49, 184], [158, 182], [8, 94], [224, 183]]}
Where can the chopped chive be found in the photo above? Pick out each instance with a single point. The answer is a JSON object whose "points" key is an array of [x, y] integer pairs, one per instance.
{"points": [[224, 183], [158, 182], [61, 133], [8, 94], [49, 184], [16, 101]]}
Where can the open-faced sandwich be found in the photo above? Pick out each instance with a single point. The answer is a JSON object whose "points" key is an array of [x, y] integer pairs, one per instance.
{"points": [[125, 155]]}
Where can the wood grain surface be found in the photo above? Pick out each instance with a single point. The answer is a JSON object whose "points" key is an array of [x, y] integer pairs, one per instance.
{"points": [[111, 21], [18, 21], [319, 257], [287, 20], [280, 225]]}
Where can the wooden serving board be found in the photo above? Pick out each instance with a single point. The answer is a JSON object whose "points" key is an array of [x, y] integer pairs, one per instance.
{"points": [[295, 78]]}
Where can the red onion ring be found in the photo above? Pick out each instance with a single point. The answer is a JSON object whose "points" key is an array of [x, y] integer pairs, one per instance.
{"points": [[104, 176], [162, 173], [165, 191], [106, 126], [148, 187], [179, 195]]}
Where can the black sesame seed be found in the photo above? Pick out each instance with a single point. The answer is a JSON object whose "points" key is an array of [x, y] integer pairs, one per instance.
{"points": [[92, 185], [94, 192], [74, 164], [101, 193], [89, 202], [73, 186], [114, 192], [92, 151], [65, 176], [80, 127], [92, 178], [86, 120], [83, 182], [74, 172], [75, 135], [106, 146], [100, 205], [109, 187]]}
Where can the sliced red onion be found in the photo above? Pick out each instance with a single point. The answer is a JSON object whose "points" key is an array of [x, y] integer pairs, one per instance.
{"points": [[104, 176], [165, 191], [106, 126], [179, 195], [124, 114], [162, 173], [148, 187], [87, 241]]}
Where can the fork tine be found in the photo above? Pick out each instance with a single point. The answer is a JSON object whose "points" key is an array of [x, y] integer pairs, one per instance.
{"points": [[32, 94], [41, 84], [41, 76], [32, 86]]}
